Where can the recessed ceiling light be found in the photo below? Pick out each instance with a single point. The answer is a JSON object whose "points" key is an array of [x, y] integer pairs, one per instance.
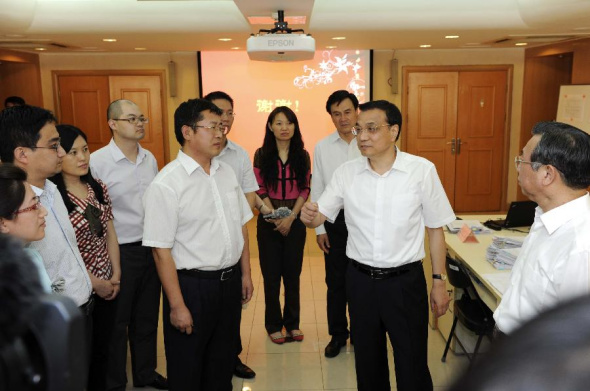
{"points": [[109, 40], [235, 48], [224, 39], [40, 49], [425, 46], [331, 47], [338, 38], [140, 49], [521, 44], [451, 36]]}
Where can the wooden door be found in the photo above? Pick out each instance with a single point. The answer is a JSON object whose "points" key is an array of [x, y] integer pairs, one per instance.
{"points": [[83, 102], [457, 120], [480, 141], [146, 92], [431, 123]]}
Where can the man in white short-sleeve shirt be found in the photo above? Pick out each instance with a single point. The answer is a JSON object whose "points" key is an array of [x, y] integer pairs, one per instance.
{"points": [[554, 263], [127, 169], [389, 198], [195, 219], [238, 159], [330, 152]]}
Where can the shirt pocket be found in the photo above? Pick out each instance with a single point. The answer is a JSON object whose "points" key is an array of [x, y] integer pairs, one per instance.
{"points": [[234, 205], [404, 209]]}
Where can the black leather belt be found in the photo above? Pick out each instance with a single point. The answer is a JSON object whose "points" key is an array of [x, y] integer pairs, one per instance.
{"points": [[221, 275], [378, 273], [134, 244], [87, 307]]}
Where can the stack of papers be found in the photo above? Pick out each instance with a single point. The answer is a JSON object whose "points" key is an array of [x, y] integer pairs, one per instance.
{"points": [[475, 226], [503, 251], [507, 241]]}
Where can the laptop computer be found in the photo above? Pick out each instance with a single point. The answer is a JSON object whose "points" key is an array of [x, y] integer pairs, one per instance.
{"points": [[520, 214]]}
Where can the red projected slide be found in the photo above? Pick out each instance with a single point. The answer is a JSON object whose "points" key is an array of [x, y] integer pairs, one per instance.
{"points": [[304, 86]]}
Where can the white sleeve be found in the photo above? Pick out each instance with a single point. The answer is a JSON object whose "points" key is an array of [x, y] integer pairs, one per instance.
{"points": [[248, 180], [332, 199], [161, 216], [317, 184]]}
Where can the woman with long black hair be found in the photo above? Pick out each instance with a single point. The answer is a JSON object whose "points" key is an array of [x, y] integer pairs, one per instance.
{"points": [[90, 211], [282, 168]]}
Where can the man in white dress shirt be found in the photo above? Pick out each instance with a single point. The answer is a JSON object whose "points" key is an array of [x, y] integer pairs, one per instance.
{"points": [[29, 140], [238, 159], [196, 215], [329, 154], [554, 262], [388, 197], [127, 169]]}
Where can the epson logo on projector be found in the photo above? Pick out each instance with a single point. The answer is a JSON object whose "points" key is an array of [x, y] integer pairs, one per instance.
{"points": [[281, 42]]}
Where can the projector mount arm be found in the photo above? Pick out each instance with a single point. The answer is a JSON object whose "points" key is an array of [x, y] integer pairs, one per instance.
{"points": [[281, 26]]}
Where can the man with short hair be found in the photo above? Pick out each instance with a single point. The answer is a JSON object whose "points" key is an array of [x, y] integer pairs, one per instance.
{"points": [[127, 169], [29, 140], [388, 197], [195, 220], [554, 263], [329, 154], [238, 159]]}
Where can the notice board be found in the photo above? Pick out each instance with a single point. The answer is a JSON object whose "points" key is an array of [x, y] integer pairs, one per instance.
{"points": [[574, 106]]}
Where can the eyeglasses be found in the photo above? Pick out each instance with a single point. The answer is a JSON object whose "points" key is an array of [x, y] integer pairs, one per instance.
{"points": [[220, 128], [133, 120], [35, 206], [54, 146], [356, 130], [518, 161]]}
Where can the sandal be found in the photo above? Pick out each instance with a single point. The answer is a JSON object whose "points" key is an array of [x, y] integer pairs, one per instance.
{"points": [[294, 335], [277, 338]]}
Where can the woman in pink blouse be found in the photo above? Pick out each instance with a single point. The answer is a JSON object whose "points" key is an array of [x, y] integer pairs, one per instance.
{"points": [[89, 207], [282, 168]]}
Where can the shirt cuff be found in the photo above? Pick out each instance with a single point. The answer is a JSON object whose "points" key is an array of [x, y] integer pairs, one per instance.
{"points": [[320, 230]]}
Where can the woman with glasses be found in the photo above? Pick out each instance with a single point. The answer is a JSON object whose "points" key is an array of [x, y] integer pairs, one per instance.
{"points": [[90, 211], [282, 168], [22, 215]]}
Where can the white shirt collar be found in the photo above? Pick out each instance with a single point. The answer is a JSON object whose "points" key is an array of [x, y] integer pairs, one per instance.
{"points": [[399, 164], [190, 165], [118, 155], [559, 216]]}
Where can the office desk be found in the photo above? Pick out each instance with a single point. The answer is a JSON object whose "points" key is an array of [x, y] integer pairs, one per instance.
{"points": [[473, 256]]}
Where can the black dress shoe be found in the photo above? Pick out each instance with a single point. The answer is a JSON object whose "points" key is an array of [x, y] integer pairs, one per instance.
{"points": [[243, 371], [333, 348], [159, 383]]}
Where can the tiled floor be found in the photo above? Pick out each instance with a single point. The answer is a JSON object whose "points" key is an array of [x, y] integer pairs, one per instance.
{"points": [[302, 366]]}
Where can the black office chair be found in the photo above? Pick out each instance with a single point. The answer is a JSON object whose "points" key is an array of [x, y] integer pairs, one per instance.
{"points": [[470, 310]]}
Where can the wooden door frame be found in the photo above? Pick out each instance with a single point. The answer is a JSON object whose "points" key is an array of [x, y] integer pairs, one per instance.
{"points": [[508, 68], [114, 72]]}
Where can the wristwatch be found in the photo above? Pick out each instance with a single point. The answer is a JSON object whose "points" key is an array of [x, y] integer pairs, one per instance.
{"points": [[439, 277]]}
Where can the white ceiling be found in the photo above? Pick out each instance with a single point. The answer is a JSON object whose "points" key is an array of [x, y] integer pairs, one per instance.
{"points": [[191, 25]]}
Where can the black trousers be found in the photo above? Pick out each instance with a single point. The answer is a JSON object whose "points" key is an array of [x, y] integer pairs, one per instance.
{"points": [[205, 359], [281, 257], [336, 264], [136, 317], [103, 321], [397, 307]]}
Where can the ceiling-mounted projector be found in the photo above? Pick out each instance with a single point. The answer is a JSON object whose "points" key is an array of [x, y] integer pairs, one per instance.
{"points": [[281, 44]]}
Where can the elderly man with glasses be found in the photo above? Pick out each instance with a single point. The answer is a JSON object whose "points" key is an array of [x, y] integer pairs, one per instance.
{"points": [[127, 169], [554, 263], [389, 198]]}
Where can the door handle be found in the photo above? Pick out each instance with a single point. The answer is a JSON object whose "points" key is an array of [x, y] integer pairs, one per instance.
{"points": [[453, 145], [458, 148]]}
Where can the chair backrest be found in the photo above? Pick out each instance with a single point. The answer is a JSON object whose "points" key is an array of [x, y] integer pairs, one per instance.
{"points": [[457, 275]]}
